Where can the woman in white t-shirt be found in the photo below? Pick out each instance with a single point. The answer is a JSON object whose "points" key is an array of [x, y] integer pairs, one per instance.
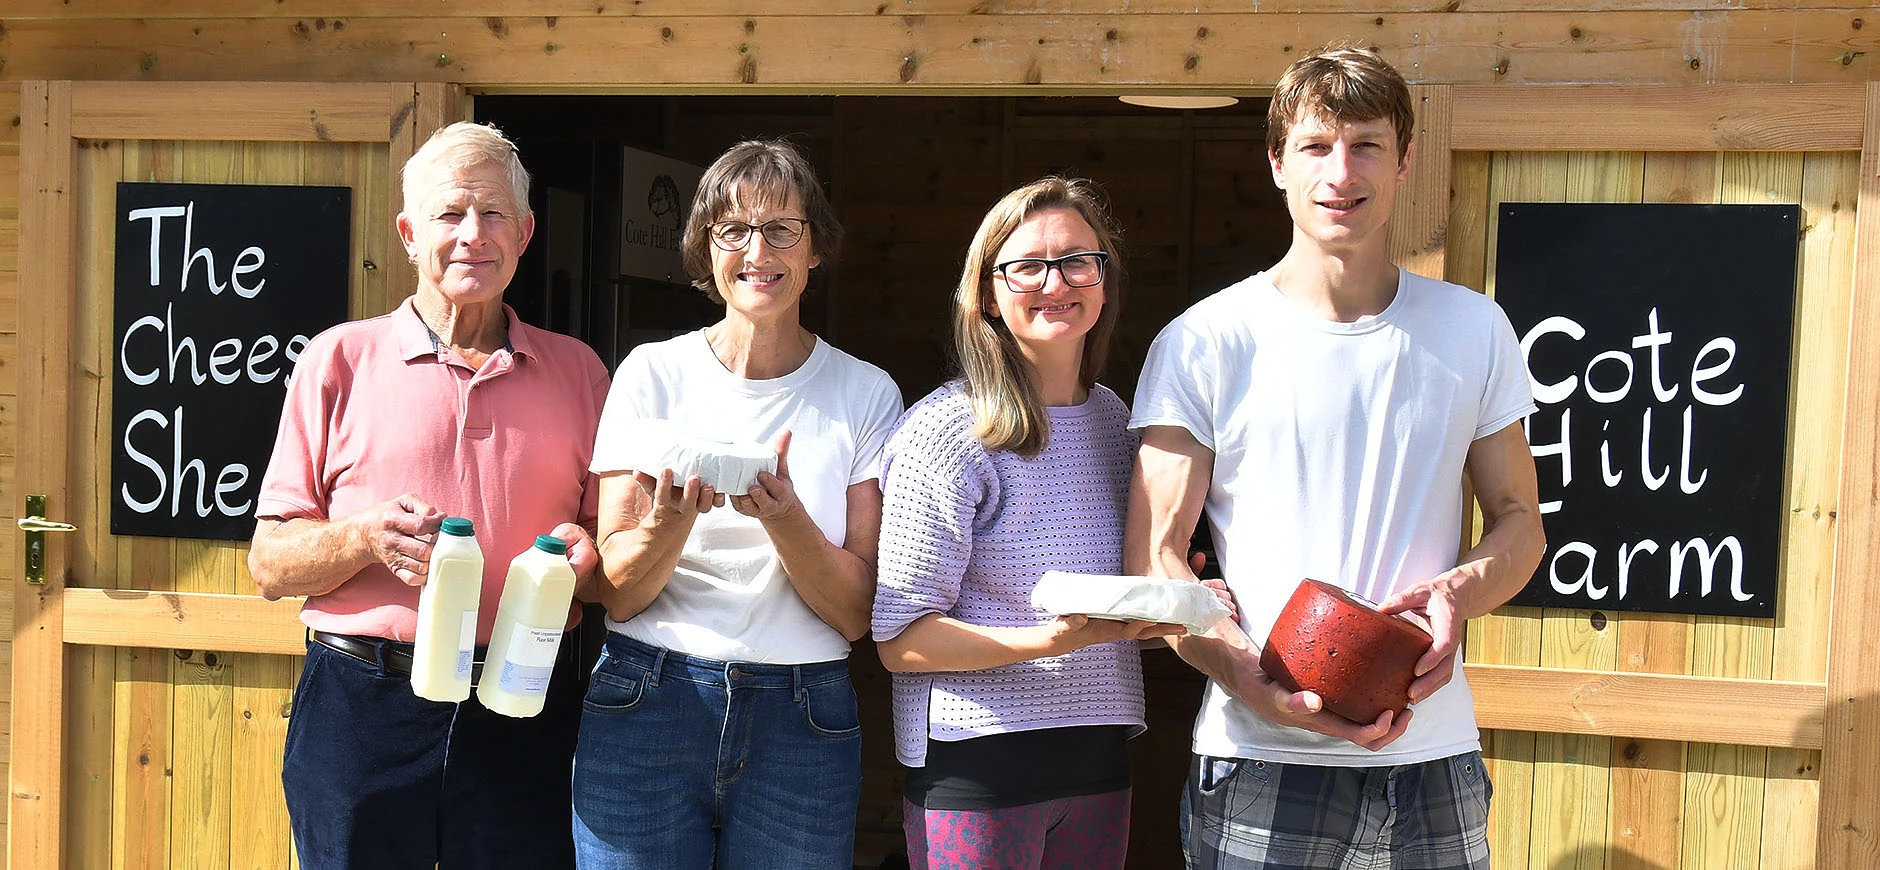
{"points": [[720, 726]]}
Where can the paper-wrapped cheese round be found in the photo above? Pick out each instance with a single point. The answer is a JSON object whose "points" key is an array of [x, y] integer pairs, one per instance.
{"points": [[1360, 660], [729, 467], [1156, 599]]}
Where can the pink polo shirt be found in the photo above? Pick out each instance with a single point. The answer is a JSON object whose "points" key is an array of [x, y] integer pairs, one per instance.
{"points": [[376, 410]]}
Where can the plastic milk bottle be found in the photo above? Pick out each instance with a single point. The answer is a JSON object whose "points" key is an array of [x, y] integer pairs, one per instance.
{"points": [[446, 641], [529, 621]]}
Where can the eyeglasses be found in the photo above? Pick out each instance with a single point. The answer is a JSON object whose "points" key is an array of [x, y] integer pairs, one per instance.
{"points": [[778, 233], [1028, 275]]}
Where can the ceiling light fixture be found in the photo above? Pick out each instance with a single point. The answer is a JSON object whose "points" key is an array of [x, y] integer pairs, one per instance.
{"points": [[1180, 101]]}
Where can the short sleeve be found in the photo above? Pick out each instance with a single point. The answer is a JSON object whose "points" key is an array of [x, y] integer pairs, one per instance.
{"points": [[878, 411], [931, 494], [294, 486], [1509, 393], [1178, 380], [629, 400]]}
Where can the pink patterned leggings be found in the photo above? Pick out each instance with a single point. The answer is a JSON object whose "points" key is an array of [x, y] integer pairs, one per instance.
{"points": [[1089, 831]]}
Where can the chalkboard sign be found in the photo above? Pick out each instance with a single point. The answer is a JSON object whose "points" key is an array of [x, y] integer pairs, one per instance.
{"points": [[218, 288], [1657, 338]]}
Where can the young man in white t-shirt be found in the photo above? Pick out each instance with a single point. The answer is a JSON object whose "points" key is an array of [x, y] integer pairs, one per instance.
{"points": [[1325, 413]]}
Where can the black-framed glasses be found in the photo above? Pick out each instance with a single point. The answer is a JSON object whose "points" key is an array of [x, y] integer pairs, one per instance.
{"points": [[778, 233], [1028, 275]]}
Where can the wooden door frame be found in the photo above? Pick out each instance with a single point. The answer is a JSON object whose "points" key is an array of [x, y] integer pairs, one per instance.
{"points": [[1841, 717], [54, 117]]}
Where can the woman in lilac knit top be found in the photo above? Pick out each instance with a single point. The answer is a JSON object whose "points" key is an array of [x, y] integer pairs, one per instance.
{"points": [[1013, 722]]}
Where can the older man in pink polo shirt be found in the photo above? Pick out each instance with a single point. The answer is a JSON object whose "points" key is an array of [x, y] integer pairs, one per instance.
{"points": [[449, 405]]}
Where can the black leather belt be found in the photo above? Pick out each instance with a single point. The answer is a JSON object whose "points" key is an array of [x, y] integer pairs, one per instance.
{"points": [[397, 655], [367, 649]]}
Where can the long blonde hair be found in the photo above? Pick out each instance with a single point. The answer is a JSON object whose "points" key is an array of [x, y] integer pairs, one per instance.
{"points": [[1008, 412]]}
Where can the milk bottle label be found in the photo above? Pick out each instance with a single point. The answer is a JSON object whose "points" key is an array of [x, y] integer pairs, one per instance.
{"points": [[530, 661], [466, 645]]}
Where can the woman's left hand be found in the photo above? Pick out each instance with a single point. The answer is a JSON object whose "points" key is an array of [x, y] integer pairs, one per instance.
{"points": [[774, 496]]}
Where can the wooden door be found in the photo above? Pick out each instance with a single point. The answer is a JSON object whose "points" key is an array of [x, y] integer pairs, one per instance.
{"points": [[151, 685]]}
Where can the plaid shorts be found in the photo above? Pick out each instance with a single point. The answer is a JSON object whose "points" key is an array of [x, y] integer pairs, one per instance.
{"points": [[1244, 813]]}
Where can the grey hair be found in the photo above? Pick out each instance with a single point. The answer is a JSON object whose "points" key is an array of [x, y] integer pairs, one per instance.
{"points": [[461, 146]]}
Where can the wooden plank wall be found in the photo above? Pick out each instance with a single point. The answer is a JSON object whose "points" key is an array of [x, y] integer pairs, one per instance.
{"points": [[11, 501], [1568, 801], [902, 45]]}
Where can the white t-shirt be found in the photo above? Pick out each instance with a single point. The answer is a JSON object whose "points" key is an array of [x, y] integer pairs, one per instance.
{"points": [[1338, 456], [729, 598]]}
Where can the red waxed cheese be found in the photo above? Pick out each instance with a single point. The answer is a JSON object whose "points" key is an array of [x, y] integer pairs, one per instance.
{"points": [[1359, 660]]}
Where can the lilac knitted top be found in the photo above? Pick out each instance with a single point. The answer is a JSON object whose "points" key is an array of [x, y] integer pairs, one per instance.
{"points": [[967, 533]]}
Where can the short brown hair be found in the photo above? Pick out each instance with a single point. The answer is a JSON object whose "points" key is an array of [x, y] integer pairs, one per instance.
{"points": [[1340, 82], [751, 172], [1008, 412]]}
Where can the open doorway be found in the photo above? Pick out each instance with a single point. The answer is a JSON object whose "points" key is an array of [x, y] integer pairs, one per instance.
{"points": [[910, 178]]}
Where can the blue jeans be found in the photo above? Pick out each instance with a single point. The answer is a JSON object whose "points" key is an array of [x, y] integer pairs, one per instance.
{"points": [[377, 778], [686, 763]]}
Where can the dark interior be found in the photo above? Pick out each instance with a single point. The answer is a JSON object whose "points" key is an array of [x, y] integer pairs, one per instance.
{"points": [[910, 178]]}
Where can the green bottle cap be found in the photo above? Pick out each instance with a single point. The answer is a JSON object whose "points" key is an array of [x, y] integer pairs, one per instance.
{"points": [[458, 527], [551, 544]]}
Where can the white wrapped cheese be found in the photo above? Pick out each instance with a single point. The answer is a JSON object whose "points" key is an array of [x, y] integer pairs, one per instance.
{"points": [[729, 467], [1157, 599]]}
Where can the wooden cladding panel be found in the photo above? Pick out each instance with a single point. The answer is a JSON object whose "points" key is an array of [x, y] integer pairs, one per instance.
{"points": [[1792, 782], [1420, 216], [1671, 802], [1569, 701], [89, 671], [132, 795], [1653, 706], [1721, 117], [221, 622], [908, 52], [1850, 817], [291, 111], [44, 351], [313, 10], [11, 503], [1647, 814]]}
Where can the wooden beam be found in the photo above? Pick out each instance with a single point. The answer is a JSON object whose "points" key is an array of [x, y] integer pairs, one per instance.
{"points": [[1108, 53], [1657, 706], [239, 112], [184, 620], [48, 213], [1738, 117], [326, 11], [1848, 831], [1419, 222]]}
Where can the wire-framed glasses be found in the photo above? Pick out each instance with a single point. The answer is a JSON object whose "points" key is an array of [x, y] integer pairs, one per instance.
{"points": [[778, 233], [1028, 275]]}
